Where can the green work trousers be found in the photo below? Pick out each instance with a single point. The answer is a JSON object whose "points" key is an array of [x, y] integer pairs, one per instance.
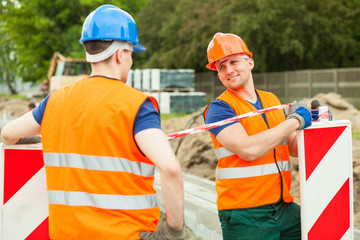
{"points": [[274, 222]]}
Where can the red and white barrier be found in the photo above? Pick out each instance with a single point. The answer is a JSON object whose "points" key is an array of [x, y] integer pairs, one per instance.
{"points": [[24, 203], [326, 181], [326, 186]]}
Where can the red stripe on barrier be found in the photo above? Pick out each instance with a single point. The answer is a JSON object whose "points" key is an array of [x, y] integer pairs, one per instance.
{"points": [[318, 141], [41, 232], [20, 165], [334, 221]]}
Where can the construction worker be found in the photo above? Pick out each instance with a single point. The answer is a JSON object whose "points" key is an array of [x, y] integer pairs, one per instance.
{"points": [[101, 143], [253, 174], [31, 106]]}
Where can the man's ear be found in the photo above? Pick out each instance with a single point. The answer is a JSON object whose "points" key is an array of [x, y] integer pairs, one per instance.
{"points": [[119, 55], [252, 63]]}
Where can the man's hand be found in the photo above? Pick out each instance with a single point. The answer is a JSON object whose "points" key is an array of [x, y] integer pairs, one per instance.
{"points": [[301, 112], [165, 232]]}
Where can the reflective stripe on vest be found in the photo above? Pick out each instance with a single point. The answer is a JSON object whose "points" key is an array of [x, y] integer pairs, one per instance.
{"points": [[223, 152], [241, 184], [104, 201], [252, 171], [98, 163]]}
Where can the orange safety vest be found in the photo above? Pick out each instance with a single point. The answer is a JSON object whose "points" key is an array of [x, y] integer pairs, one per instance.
{"points": [[100, 185], [266, 180]]}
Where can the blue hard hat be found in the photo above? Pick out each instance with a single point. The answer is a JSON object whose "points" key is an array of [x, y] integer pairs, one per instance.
{"points": [[109, 22]]}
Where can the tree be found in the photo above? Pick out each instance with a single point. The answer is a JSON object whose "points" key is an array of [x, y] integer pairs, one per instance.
{"points": [[8, 59], [176, 33], [151, 18], [293, 35], [282, 34], [38, 28], [7, 63]]}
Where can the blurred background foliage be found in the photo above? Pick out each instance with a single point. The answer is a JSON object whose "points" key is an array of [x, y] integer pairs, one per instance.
{"points": [[283, 35]]}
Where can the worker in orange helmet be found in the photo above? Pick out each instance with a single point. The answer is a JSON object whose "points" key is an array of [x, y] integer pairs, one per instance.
{"points": [[253, 176], [102, 141]]}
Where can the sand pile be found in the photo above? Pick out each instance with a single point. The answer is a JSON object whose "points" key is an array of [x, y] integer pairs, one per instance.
{"points": [[341, 109], [195, 152]]}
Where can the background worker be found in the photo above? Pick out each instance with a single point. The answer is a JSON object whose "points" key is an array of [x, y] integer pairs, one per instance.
{"points": [[31, 139], [101, 143], [31, 106], [253, 174]]}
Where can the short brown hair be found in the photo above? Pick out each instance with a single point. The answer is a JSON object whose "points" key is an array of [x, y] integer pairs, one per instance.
{"points": [[96, 46]]}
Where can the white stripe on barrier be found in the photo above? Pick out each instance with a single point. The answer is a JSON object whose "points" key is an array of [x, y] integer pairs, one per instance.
{"points": [[326, 187], [347, 235], [25, 212], [328, 177], [26, 209]]}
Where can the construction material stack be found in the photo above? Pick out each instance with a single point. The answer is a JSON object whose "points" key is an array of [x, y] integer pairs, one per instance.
{"points": [[172, 88]]}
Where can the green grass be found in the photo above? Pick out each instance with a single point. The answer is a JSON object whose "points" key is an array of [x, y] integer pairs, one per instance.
{"points": [[14, 96], [165, 117], [356, 135]]}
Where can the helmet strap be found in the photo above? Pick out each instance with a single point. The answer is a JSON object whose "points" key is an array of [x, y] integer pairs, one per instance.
{"points": [[114, 46]]}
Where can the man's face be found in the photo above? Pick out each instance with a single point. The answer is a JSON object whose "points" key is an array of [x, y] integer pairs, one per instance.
{"points": [[234, 71]]}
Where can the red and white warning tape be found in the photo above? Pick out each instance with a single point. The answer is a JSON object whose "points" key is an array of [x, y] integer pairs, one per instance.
{"points": [[186, 132]]}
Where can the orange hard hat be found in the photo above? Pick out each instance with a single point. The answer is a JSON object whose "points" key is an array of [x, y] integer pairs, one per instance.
{"points": [[225, 44]]}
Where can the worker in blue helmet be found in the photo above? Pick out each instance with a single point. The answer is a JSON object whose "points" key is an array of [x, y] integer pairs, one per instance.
{"points": [[102, 141], [110, 23]]}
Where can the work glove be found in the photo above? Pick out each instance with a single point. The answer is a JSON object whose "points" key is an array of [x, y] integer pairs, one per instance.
{"points": [[315, 104], [301, 112], [164, 232], [29, 140]]}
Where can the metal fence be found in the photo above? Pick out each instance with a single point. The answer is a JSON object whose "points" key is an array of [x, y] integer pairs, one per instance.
{"points": [[287, 86], [209, 83], [291, 85]]}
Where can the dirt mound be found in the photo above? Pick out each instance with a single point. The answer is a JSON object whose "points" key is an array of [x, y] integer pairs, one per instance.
{"points": [[12, 108], [195, 152], [197, 157], [340, 108]]}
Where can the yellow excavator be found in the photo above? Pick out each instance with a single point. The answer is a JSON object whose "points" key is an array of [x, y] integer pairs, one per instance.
{"points": [[64, 71]]}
